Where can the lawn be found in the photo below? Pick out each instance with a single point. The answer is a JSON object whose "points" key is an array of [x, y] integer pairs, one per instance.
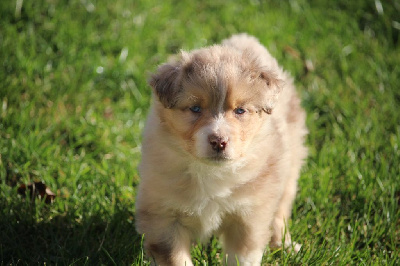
{"points": [[74, 96]]}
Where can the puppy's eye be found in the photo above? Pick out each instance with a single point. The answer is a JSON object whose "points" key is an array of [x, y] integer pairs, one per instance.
{"points": [[239, 111], [195, 109]]}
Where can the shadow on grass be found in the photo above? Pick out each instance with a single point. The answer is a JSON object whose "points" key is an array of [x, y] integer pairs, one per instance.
{"points": [[65, 240]]}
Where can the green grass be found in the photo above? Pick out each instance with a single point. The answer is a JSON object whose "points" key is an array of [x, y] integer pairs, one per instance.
{"points": [[73, 100]]}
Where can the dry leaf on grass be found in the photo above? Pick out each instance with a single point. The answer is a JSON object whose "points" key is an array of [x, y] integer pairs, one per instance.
{"points": [[37, 189]]}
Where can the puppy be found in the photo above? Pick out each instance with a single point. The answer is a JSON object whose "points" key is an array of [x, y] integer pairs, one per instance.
{"points": [[221, 154]]}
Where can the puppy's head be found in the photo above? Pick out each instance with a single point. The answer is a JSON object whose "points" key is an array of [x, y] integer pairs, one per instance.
{"points": [[215, 100]]}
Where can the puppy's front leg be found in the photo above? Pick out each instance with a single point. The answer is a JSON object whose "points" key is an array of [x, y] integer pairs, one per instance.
{"points": [[167, 243], [245, 241]]}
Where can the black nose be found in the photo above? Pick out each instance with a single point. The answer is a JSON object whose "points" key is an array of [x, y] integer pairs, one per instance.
{"points": [[217, 143]]}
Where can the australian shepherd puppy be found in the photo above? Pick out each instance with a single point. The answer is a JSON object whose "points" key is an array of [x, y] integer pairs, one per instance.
{"points": [[221, 154]]}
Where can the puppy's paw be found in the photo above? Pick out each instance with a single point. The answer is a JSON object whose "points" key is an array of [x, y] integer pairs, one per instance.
{"points": [[289, 246], [293, 247]]}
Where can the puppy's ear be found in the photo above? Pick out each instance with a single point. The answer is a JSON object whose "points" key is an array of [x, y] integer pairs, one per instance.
{"points": [[165, 83], [274, 87]]}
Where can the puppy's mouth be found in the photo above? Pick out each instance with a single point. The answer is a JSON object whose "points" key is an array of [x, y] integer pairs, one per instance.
{"points": [[219, 157]]}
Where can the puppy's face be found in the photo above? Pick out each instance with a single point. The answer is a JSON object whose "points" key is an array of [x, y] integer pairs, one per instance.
{"points": [[215, 100]]}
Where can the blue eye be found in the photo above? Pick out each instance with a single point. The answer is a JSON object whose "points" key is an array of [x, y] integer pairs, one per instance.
{"points": [[239, 111], [195, 109]]}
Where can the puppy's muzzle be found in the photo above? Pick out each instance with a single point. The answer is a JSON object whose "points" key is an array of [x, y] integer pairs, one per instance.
{"points": [[218, 143]]}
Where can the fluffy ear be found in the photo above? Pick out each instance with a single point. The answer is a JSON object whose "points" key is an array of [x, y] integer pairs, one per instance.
{"points": [[165, 83], [274, 87]]}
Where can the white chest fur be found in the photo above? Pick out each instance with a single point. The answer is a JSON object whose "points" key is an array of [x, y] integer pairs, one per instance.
{"points": [[210, 194]]}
